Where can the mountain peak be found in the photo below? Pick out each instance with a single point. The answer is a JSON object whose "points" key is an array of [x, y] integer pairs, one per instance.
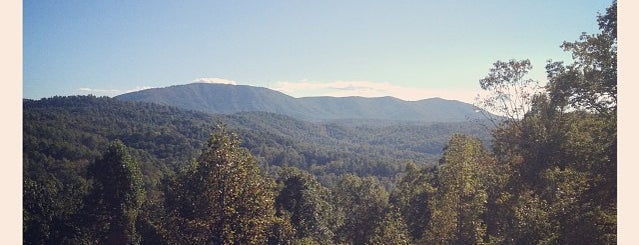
{"points": [[229, 98]]}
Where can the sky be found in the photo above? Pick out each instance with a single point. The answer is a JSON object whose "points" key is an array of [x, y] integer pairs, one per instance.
{"points": [[407, 49]]}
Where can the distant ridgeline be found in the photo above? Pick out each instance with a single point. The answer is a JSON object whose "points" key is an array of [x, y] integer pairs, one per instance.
{"points": [[227, 99]]}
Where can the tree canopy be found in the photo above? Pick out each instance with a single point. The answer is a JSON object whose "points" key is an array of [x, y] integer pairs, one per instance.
{"points": [[546, 175]]}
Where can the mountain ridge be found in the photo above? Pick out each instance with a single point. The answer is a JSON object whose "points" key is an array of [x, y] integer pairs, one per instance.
{"points": [[229, 99]]}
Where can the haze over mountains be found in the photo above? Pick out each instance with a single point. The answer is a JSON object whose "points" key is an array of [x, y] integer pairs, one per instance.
{"points": [[229, 99]]}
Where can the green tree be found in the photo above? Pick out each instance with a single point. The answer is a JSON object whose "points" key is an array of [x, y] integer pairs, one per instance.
{"points": [[49, 208], [590, 82], [412, 195], [589, 86], [113, 205], [308, 204], [391, 230], [221, 198], [460, 202], [561, 188], [361, 203], [529, 220], [562, 153]]}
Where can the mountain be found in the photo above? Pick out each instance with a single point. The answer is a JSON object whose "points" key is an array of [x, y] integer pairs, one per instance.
{"points": [[228, 99], [72, 131]]}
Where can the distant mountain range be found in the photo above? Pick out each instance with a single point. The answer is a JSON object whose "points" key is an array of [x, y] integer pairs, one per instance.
{"points": [[229, 99]]}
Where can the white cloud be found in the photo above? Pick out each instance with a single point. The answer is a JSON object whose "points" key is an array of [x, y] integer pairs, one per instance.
{"points": [[99, 90], [111, 92], [214, 80], [307, 88], [138, 88]]}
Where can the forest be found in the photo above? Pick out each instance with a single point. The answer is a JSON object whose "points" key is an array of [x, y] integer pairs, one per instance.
{"points": [[102, 171]]}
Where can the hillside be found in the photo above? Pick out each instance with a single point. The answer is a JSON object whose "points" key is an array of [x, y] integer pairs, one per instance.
{"points": [[227, 99], [72, 131], [62, 136]]}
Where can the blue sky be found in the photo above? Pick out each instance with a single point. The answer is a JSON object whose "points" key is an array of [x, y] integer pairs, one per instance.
{"points": [[407, 49]]}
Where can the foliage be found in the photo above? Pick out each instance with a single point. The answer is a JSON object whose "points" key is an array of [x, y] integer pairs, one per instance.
{"points": [[76, 129], [562, 153], [510, 93], [459, 204], [412, 194], [114, 202], [391, 230], [361, 203], [548, 177], [49, 207], [590, 82], [307, 203], [221, 198]]}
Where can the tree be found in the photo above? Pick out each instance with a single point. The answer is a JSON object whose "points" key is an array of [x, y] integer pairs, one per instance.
{"points": [[221, 198], [562, 183], [460, 202], [362, 202], [412, 194], [308, 204], [510, 93], [589, 87], [391, 230], [562, 152], [590, 82], [113, 205], [49, 207]]}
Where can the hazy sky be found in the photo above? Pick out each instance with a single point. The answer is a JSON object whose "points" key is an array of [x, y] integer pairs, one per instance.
{"points": [[407, 49]]}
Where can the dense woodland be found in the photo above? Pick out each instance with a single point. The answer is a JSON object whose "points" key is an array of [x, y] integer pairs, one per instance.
{"points": [[103, 171]]}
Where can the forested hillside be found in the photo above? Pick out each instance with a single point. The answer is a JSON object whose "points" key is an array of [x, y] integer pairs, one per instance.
{"points": [[77, 128], [64, 135], [105, 171]]}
